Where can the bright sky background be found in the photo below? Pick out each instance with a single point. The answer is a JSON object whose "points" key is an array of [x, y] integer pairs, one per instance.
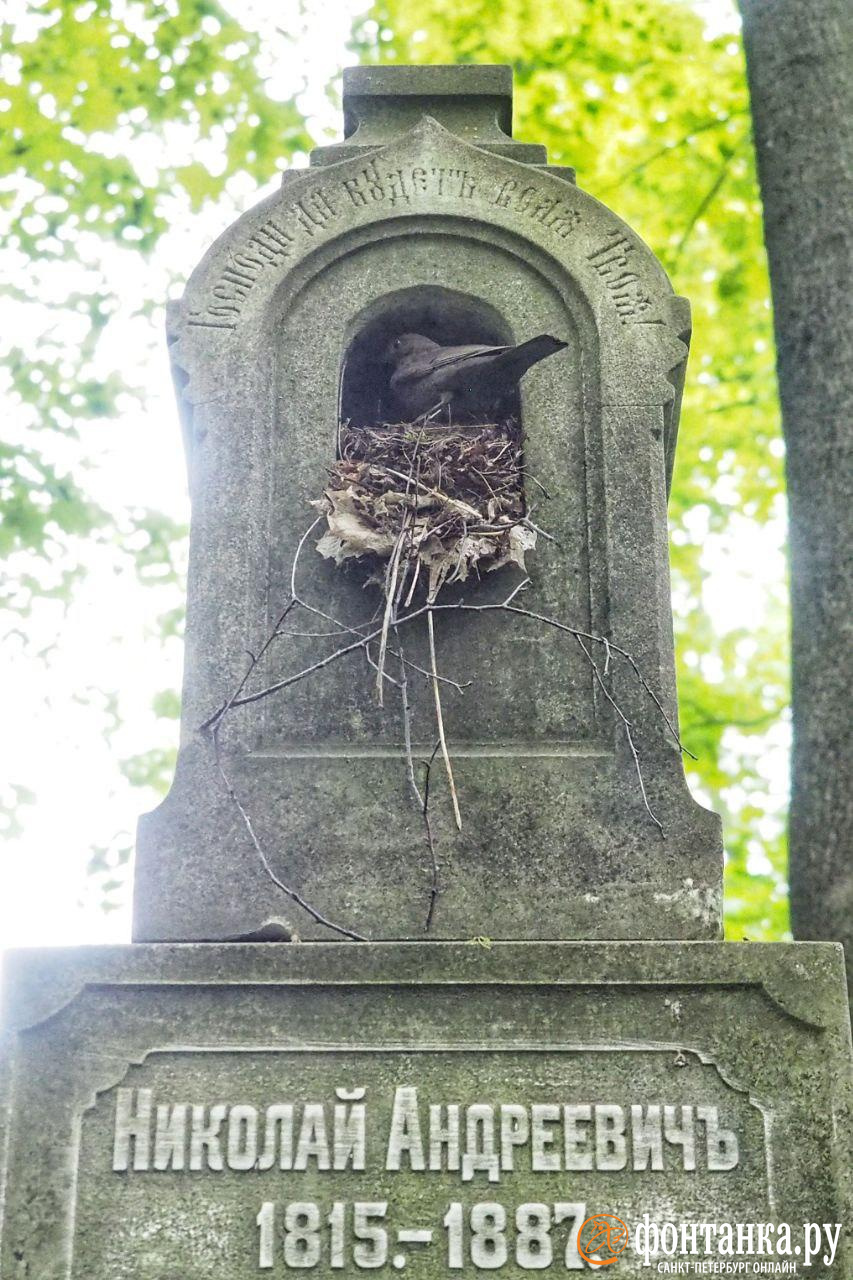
{"points": [[56, 739]]}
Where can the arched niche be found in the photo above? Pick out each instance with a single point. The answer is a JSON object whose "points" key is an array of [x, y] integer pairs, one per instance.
{"points": [[339, 312], [447, 316]]}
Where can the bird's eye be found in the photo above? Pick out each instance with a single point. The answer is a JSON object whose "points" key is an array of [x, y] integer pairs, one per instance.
{"points": [[396, 342]]}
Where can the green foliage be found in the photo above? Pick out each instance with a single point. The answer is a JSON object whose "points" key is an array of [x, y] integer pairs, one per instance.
{"points": [[118, 120], [13, 800], [105, 107], [108, 870], [102, 73], [152, 768], [655, 118]]}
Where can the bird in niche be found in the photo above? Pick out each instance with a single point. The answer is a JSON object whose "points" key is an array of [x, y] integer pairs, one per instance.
{"points": [[468, 380]]}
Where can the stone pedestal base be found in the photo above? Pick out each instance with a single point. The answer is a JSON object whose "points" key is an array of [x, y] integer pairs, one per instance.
{"points": [[184, 1112]]}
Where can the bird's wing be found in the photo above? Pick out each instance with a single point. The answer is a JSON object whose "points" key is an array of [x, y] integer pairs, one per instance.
{"points": [[446, 356], [420, 365]]}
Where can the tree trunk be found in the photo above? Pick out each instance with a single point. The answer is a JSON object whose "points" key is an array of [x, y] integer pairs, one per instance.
{"points": [[799, 60]]}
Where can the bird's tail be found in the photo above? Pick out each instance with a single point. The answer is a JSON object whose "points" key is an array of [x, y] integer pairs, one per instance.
{"points": [[523, 357]]}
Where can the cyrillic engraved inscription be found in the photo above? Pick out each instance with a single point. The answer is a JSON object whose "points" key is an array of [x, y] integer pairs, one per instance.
{"points": [[294, 226], [480, 1138], [235, 1163], [612, 262], [538, 206]]}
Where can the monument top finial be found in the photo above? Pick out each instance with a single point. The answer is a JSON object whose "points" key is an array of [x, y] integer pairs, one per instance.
{"points": [[363, 85], [472, 101]]}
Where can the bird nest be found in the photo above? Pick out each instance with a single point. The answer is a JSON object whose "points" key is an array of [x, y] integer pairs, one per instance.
{"points": [[441, 500]]}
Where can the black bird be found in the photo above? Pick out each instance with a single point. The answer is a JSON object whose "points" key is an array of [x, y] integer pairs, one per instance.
{"points": [[427, 377]]}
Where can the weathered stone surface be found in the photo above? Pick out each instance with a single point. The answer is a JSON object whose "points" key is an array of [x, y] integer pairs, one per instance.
{"points": [[746, 1043], [474, 103], [433, 232]]}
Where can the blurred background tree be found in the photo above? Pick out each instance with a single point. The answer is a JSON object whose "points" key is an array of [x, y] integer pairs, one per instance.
{"points": [[804, 145], [134, 132]]}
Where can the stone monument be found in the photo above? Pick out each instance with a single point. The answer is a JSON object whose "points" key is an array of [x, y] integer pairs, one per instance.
{"points": [[347, 1037], [429, 218]]}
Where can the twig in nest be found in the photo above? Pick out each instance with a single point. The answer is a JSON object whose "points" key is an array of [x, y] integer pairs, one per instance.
{"points": [[390, 600], [458, 491]]}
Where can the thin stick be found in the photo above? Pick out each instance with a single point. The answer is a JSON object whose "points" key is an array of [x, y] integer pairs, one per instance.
{"points": [[628, 734], [549, 537], [375, 666], [289, 680], [313, 635], [216, 719], [538, 483], [507, 607], [348, 630], [391, 592], [464, 508], [285, 888], [435, 889], [415, 576], [656, 700], [390, 597], [439, 720], [422, 799]]}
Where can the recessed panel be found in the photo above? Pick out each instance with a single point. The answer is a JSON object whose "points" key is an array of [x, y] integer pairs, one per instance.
{"points": [[428, 1163], [525, 684]]}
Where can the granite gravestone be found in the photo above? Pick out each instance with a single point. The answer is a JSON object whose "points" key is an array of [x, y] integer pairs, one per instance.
{"points": [[430, 218], [193, 1110]]}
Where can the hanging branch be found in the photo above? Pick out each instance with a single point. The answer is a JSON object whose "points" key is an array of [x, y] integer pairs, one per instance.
{"points": [[421, 798], [451, 503], [505, 606], [439, 720], [434, 887], [277, 881], [362, 641], [627, 726], [214, 723], [365, 638]]}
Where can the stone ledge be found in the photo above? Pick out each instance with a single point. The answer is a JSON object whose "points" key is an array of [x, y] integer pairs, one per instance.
{"points": [[805, 979]]}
